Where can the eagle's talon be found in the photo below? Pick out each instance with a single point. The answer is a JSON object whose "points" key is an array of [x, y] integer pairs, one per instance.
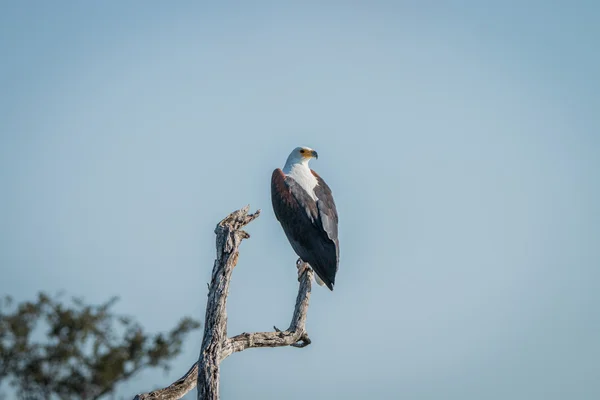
{"points": [[302, 268]]}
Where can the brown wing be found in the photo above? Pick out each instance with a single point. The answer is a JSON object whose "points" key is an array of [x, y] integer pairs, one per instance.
{"points": [[304, 222]]}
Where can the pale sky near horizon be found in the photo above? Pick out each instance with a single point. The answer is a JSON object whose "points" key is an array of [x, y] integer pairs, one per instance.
{"points": [[460, 139]]}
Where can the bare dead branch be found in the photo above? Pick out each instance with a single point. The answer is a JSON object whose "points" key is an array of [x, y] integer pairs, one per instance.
{"points": [[295, 335], [176, 390], [216, 346]]}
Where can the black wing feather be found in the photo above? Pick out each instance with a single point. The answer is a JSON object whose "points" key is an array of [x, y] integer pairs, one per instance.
{"points": [[327, 211]]}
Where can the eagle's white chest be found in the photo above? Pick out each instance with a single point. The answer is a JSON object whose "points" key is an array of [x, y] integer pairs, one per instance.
{"points": [[304, 177]]}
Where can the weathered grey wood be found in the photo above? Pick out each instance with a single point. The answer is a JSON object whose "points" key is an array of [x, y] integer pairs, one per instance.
{"points": [[229, 238], [295, 335], [176, 390], [216, 346]]}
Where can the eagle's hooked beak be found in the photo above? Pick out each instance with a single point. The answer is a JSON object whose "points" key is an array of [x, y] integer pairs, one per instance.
{"points": [[315, 154]]}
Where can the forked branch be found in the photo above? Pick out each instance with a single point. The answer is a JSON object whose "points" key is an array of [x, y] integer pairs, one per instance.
{"points": [[216, 346]]}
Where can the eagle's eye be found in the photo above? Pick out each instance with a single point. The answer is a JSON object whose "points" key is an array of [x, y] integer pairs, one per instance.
{"points": [[302, 151]]}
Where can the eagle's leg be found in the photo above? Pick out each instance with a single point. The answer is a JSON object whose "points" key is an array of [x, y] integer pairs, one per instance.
{"points": [[302, 266]]}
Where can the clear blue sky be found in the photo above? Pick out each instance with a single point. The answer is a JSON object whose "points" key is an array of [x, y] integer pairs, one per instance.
{"points": [[461, 141]]}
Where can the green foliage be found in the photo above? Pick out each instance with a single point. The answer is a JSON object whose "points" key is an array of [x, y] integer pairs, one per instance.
{"points": [[49, 349]]}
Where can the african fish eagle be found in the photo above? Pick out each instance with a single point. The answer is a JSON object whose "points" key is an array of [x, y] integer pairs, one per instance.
{"points": [[304, 206]]}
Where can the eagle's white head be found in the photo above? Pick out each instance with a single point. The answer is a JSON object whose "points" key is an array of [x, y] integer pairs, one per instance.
{"points": [[297, 168], [301, 156]]}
